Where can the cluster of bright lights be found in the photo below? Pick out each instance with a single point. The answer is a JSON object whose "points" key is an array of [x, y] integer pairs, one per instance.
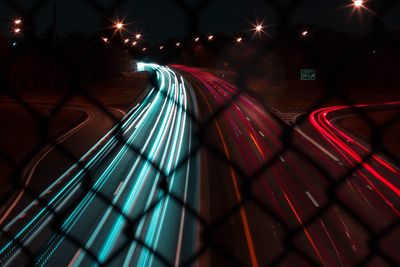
{"points": [[237, 40], [17, 26], [258, 28], [119, 26]]}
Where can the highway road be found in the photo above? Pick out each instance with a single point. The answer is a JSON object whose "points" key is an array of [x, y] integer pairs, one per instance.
{"points": [[268, 197], [290, 180], [114, 206], [72, 131]]}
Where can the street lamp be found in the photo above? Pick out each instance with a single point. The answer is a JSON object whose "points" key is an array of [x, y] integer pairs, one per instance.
{"points": [[119, 25], [17, 26], [258, 27], [304, 33], [134, 43], [196, 39], [359, 6], [105, 39], [138, 36], [210, 37], [239, 40], [126, 40], [358, 3], [178, 44], [161, 47]]}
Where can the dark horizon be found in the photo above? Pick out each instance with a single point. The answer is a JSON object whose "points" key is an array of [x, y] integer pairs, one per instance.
{"points": [[168, 20]]}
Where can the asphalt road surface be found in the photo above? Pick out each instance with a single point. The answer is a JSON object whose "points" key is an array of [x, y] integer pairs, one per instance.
{"points": [[309, 204], [268, 193]]}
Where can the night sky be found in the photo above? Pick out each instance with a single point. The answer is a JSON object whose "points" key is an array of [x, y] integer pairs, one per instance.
{"points": [[162, 19]]}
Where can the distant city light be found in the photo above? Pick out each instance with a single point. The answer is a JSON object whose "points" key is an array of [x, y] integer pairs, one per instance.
{"points": [[358, 3], [17, 30], [196, 39], [134, 43], [144, 49], [258, 28], [126, 41], [105, 39], [178, 44], [119, 25], [138, 36], [210, 37], [359, 6], [161, 47], [17, 21], [304, 33], [239, 40]]}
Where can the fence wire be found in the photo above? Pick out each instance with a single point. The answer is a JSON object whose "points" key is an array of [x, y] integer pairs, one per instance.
{"points": [[298, 240]]}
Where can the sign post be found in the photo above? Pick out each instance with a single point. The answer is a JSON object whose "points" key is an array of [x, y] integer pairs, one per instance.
{"points": [[308, 74]]}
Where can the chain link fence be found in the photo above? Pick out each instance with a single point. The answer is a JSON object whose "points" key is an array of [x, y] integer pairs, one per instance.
{"points": [[304, 191]]}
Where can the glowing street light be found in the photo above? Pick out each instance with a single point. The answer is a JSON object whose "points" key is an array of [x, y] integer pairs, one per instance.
{"points": [[119, 25], [178, 44], [17, 26], [259, 28], [144, 49], [358, 3], [196, 39], [134, 43], [126, 41], [105, 39], [239, 40], [161, 47], [304, 34], [359, 6], [138, 36], [210, 37]]}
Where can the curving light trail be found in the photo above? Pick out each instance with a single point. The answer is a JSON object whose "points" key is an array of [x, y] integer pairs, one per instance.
{"points": [[291, 186], [237, 117], [374, 170], [124, 186]]}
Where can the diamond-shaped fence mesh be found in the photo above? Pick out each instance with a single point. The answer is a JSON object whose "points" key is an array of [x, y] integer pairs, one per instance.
{"points": [[268, 155]]}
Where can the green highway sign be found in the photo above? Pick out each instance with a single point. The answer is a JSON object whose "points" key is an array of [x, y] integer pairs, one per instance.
{"points": [[308, 74]]}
